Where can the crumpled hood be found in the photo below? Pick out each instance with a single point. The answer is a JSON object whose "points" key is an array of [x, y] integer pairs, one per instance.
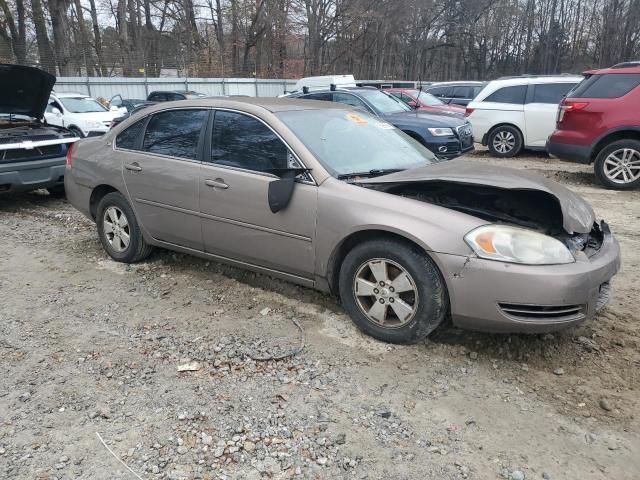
{"points": [[578, 216], [24, 90]]}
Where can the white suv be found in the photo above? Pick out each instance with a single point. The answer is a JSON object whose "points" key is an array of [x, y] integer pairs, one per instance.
{"points": [[513, 113], [81, 114]]}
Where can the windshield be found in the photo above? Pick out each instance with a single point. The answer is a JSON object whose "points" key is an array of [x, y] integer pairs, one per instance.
{"points": [[349, 142], [82, 105], [382, 102], [426, 98]]}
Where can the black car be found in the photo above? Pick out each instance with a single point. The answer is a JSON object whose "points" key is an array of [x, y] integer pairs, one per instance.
{"points": [[128, 103], [172, 95], [32, 153], [460, 93], [446, 136]]}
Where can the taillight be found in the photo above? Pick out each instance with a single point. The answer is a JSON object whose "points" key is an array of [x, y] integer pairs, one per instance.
{"points": [[468, 111], [69, 150], [569, 106]]}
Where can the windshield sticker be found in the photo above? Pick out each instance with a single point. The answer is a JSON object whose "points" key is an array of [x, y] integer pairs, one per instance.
{"points": [[355, 118]]}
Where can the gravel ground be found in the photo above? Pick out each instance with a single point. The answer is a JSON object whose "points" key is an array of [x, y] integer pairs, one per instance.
{"points": [[159, 361]]}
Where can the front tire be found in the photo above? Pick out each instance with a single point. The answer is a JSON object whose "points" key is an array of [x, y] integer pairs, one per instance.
{"points": [[76, 132], [392, 291], [119, 231], [617, 166], [504, 141]]}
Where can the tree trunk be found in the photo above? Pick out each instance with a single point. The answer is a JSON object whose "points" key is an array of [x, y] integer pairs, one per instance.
{"points": [[45, 52]]}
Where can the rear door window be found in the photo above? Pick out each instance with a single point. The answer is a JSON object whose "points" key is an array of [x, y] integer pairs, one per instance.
{"points": [[242, 141], [462, 92], [513, 95], [610, 85], [349, 99], [325, 97], [439, 91], [129, 138], [175, 133], [550, 92]]}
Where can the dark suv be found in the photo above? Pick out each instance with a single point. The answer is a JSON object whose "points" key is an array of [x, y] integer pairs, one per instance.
{"points": [[172, 95], [599, 122], [446, 136]]}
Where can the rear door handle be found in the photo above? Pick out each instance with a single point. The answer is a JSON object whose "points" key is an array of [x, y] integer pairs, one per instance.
{"points": [[134, 167], [217, 183]]}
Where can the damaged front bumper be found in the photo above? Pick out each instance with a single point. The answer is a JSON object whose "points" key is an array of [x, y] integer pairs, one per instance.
{"points": [[505, 297]]}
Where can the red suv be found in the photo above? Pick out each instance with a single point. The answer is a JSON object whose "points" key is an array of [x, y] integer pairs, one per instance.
{"points": [[599, 122]]}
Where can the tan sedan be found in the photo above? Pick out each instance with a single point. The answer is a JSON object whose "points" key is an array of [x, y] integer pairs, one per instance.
{"points": [[335, 199]]}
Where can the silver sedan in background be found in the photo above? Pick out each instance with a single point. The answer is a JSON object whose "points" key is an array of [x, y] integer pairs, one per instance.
{"points": [[335, 199]]}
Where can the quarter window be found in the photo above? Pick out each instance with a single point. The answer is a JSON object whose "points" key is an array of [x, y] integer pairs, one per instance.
{"points": [[611, 85], [514, 95], [325, 97], [175, 133], [242, 141], [128, 139], [550, 92]]}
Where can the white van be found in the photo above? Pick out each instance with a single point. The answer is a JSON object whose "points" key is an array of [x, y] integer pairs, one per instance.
{"points": [[513, 113]]}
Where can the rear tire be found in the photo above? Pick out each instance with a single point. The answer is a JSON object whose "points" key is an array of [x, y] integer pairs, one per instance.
{"points": [[392, 291], [617, 165], [119, 231], [504, 141]]}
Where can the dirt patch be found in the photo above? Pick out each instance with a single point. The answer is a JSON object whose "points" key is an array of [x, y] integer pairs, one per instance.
{"points": [[88, 345]]}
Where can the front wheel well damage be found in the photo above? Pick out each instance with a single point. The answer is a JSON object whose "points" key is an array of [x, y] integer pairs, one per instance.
{"points": [[98, 194], [356, 238]]}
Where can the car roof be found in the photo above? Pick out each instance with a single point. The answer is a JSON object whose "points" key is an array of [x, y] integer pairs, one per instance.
{"points": [[529, 79], [625, 67], [271, 104], [454, 83]]}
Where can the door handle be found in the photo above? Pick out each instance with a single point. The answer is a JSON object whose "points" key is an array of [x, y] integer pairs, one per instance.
{"points": [[217, 183], [133, 167]]}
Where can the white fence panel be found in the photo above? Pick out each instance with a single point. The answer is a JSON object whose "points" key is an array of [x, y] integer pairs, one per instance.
{"points": [[139, 88]]}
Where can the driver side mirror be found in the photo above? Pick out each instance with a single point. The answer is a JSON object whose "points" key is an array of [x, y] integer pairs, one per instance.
{"points": [[413, 104], [56, 111], [281, 190]]}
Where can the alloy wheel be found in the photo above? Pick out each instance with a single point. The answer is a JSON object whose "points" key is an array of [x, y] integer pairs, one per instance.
{"points": [[622, 166], [116, 229], [385, 292], [504, 142]]}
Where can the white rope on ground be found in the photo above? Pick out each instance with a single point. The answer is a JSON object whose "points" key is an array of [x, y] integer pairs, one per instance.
{"points": [[117, 458]]}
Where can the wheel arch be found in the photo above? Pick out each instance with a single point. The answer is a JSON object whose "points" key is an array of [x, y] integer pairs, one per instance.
{"points": [[503, 124], [97, 194], [622, 133], [347, 244]]}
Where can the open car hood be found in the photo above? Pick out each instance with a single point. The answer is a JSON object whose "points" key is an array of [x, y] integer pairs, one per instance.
{"points": [[577, 214], [24, 90]]}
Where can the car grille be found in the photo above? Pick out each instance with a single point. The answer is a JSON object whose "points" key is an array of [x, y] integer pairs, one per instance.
{"points": [[465, 134], [37, 153], [557, 313], [21, 138]]}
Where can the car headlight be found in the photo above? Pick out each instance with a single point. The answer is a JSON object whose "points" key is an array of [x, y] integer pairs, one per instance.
{"points": [[440, 132], [94, 124], [517, 245]]}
